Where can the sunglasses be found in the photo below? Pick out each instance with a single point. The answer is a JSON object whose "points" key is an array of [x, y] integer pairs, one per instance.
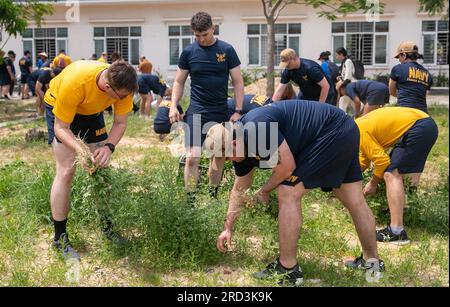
{"points": [[117, 94]]}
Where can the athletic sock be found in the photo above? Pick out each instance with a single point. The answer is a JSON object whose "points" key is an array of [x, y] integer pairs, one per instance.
{"points": [[60, 228], [396, 230], [287, 269]]}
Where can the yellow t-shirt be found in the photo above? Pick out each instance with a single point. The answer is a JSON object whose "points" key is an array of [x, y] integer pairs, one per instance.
{"points": [[67, 60], [101, 60], [380, 130], [75, 91]]}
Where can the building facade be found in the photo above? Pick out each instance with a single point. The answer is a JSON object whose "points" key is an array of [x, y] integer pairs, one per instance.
{"points": [[159, 29]]}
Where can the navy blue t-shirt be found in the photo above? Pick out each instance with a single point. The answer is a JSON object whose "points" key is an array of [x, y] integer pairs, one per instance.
{"points": [[413, 81], [300, 123], [45, 76], [24, 65], [209, 68], [365, 88], [307, 76], [148, 82], [250, 102]]}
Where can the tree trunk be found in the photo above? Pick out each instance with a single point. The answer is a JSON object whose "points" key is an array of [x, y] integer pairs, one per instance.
{"points": [[270, 89]]}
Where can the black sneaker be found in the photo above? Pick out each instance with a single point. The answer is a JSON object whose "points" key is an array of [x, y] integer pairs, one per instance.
{"points": [[65, 248], [361, 264], [293, 277], [115, 238], [386, 235]]}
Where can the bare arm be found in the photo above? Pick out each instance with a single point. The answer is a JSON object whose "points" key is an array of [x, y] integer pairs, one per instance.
{"points": [[286, 165], [279, 92], [357, 103], [177, 93], [178, 86], [118, 129], [236, 203], [238, 84], [393, 88], [39, 90], [325, 88], [10, 72], [65, 135], [103, 154]]}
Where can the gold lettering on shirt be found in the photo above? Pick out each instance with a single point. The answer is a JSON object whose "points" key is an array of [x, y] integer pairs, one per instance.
{"points": [[100, 131], [259, 100], [418, 76]]}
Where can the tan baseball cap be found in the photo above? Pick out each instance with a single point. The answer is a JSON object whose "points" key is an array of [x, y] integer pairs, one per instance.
{"points": [[406, 47], [43, 54], [286, 55]]}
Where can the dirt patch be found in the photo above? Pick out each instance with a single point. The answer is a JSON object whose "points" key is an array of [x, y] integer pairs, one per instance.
{"points": [[259, 87]]}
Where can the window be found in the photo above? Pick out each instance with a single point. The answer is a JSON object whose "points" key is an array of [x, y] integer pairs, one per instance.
{"points": [[181, 36], [125, 40], [286, 36], [366, 41], [435, 42], [48, 40]]}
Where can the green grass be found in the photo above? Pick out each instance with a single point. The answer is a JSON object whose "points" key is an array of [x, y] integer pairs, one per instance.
{"points": [[171, 243]]}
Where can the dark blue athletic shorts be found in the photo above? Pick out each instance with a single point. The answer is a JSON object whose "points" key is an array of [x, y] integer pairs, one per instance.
{"points": [[410, 153], [90, 128]]}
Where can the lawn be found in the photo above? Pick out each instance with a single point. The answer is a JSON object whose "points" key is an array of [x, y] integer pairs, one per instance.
{"points": [[173, 244]]}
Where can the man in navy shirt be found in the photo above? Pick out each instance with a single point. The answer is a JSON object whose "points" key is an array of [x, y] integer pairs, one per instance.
{"points": [[26, 68], [410, 81], [313, 82], [209, 62], [371, 94], [150, 83], [307, 145]]}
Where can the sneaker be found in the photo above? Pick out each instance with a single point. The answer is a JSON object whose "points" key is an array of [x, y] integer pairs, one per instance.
{"points": [[293, 277], [65, 248], [386, 235], [361, 264], [115, 238]]}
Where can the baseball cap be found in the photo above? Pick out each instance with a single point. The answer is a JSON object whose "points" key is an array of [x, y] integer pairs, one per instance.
{"points": [[324, 55], [286, 55], [43, 54], [406, 47]]}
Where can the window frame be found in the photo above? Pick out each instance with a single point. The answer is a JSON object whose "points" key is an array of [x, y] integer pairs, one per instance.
{"points": [[56, 38], [180, 38], [435, 34], [129, 38], [263, 33], [374, 34]]}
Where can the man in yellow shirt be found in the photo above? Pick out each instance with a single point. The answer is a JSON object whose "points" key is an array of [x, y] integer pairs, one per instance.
{"points": [[103, 58], [62, 60], [75, 102], [411, 134]]}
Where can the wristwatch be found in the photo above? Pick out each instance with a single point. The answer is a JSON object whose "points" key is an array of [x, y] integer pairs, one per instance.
{"points": [[111, 147], [240, 112]]}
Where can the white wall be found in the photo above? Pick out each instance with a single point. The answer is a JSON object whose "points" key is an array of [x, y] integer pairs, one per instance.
{"points": [[405, 24]]}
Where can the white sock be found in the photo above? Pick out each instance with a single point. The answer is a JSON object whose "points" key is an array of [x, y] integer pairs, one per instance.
{"points": [[397, 230]]}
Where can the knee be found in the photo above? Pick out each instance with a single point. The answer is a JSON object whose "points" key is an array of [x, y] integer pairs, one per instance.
{"points": [[288, 196], [390, 177], [65, 174], [192, 162]]}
